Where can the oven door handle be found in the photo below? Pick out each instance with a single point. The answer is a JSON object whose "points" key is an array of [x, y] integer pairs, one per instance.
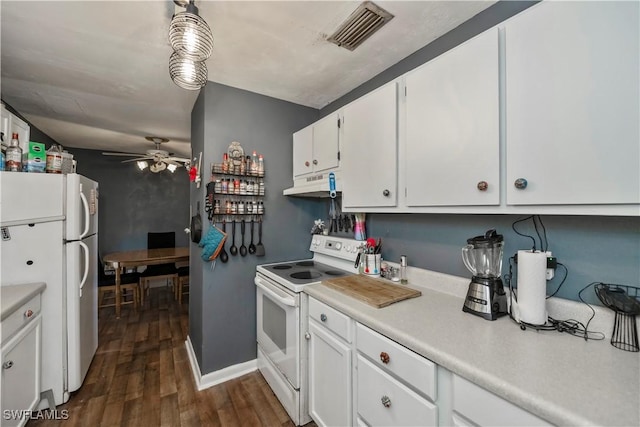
{"points": [[291, 302]]}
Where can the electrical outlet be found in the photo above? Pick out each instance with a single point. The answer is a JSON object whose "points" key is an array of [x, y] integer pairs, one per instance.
{"points": [[552, 263]]}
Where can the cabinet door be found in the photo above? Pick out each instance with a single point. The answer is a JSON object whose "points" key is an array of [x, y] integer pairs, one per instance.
{"points": [[21, 372], [303, 151], [329, 378], [325, 143], [384, 401], [572, 104], [369, 150], [452, 145]]}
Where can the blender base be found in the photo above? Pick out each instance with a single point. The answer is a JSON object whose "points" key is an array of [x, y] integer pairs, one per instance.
{"points": [[486, 298]]}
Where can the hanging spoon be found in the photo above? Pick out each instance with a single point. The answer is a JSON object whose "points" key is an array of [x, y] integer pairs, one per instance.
{"points": [[260, 247], [233, 249], [252, 247], [224, 257], [243, 248]]}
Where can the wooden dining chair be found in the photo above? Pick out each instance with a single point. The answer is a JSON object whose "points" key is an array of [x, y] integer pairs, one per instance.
{"points": [[107, 288], [183, 284], [159, 271]]}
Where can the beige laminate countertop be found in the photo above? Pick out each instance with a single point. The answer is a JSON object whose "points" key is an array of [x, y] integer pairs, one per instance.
{"points": [[560, 378], [13, 296]]}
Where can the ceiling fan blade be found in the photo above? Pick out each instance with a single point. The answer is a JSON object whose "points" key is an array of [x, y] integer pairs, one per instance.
{"points": [[179, 159], [122, 154], [137, 159]]}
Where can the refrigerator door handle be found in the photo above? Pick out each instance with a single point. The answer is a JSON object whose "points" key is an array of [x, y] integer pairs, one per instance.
{"points": [[86, 265], [87, 218]]}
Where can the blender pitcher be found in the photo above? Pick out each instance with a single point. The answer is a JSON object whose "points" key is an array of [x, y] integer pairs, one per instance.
{"points": [[483, 254]]}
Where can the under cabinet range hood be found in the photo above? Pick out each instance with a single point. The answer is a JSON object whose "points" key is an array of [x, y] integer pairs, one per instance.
{"points": [[315, 185]]}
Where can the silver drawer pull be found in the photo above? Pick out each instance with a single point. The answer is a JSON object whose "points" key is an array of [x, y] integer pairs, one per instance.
{"points": [[386, 402], [323, 317], [28, 313], [7, 365]]}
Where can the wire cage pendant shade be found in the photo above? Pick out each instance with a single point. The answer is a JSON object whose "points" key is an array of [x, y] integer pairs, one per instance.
{"points": [[186, 73], [190, 35]]}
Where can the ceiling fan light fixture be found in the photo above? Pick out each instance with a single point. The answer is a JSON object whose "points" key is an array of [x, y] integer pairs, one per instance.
{"points": [[158, 167], [190, 35], [186, 73], [142, 165]]}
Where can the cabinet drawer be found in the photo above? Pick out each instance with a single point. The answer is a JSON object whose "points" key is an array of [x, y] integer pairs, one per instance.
{"points": [[486, 409], [415, 370], [384, 401], [23, 315], [330, 318]]}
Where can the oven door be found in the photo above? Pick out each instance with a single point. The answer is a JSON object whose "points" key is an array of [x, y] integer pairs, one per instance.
{"points": [[278, 327]]}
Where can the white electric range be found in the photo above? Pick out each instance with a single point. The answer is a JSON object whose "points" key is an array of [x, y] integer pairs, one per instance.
{"points": [[282, 316]]}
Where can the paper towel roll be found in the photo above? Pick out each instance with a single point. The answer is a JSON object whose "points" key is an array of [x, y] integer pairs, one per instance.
{"points": [[532, 287]]}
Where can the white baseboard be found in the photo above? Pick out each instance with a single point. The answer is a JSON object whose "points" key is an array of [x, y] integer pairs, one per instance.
{"points": [[220, 376]]}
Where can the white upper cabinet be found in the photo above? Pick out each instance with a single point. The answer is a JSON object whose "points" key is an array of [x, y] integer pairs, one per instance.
{"points": [[369, 150], [315, 148], [452, 154], [572, 104]]}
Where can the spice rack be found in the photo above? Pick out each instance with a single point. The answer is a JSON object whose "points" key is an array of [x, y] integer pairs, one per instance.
{"points": [[234, 195]]}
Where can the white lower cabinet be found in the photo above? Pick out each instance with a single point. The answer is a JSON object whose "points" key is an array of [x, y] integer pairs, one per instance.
{"points": [[329, 369], [21, 372], [385, 401], [358, 376], [474, 404]]}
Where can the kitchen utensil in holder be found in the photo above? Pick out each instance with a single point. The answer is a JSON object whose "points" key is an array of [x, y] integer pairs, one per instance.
{"points": [[625, 301]]}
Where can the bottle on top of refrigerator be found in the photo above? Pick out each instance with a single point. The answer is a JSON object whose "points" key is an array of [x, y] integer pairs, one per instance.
{"points": [[13, 161], [54, 160]]}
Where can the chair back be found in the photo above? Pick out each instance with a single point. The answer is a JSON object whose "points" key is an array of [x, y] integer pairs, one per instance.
{"points": [[161, 240]]}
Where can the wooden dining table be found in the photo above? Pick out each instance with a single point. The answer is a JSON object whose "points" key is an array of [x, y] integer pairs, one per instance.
{"points": [[140, 257]]}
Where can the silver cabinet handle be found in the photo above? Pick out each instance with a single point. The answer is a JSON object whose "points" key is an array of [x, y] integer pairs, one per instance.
{"points": [[28, 313], [386, 402], [483, 185], [520, 183], [307, 336], [323, 317], [315, 162], [7, 365], [307, 164], [386, 193]]}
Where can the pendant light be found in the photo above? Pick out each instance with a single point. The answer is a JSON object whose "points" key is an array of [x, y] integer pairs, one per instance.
{"points": [[190, 35], [186, 73]]}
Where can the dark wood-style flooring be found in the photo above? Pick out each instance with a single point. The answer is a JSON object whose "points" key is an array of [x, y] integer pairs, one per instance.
{"points": [[141, 376]]}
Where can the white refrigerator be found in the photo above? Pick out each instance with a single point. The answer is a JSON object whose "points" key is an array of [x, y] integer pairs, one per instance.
{"points": [[50, 234]]}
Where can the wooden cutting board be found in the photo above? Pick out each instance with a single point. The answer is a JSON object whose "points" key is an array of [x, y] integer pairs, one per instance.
{"points": [[375, 292]]}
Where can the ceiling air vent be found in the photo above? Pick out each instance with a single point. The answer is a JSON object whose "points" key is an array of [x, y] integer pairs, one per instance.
{"points": [[364, 21]]}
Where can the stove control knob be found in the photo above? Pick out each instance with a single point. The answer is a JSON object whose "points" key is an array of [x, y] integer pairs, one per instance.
{"points": [[338, 246], [347, 248]]}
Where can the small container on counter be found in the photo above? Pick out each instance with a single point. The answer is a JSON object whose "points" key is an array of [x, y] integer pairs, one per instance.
{"points": [[403, 270]]}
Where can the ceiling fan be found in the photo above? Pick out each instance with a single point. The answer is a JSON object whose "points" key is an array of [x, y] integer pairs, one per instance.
{"points": [[161, 159]]}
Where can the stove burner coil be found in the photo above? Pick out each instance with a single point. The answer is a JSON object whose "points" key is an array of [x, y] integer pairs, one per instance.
{"points": [[305, 275]]}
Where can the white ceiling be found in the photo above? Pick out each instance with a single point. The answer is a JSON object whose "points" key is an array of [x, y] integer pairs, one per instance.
{"points": [[94, 74]]}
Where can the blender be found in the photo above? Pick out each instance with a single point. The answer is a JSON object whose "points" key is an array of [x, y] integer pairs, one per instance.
{"points": [[483, 257]]}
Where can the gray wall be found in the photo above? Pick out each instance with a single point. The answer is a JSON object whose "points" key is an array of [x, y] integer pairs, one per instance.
{"points": [[223, 315], [593, 248], [134, 202]]}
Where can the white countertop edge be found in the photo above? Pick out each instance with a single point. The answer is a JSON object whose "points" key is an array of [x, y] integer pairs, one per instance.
{"points": [[13, 296], [539, 404]]}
